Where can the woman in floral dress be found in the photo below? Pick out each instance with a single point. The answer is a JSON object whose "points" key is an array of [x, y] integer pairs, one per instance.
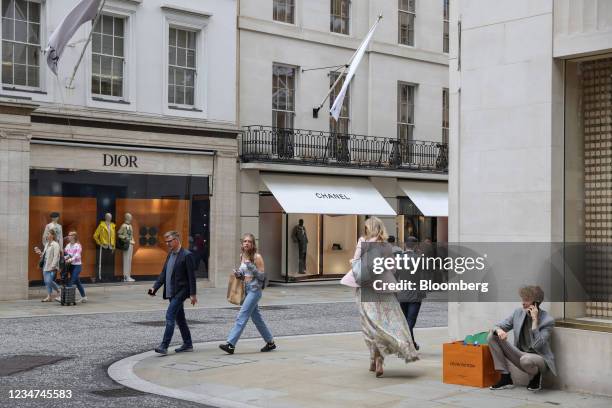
{"points": [[382, 321]]}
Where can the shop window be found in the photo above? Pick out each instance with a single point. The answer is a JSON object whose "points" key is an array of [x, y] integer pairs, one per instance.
{"points": [[21, 43], [588, 187], [157, 204]]}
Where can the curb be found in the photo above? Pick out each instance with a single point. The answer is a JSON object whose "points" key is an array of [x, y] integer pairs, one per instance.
{"points": [[122, 372]]}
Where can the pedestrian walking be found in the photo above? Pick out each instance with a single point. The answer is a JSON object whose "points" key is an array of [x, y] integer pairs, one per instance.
{"points": [[411, 300], [50, 263], [72, 255], [178, 279], [251, 270], [382, 322]]}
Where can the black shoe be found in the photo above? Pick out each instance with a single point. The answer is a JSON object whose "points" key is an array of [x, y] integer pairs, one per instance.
{"points": [[161, 350], [228, 348], [536, 383], [504, 383], [183, 349], [416, 346], [268, 347]]}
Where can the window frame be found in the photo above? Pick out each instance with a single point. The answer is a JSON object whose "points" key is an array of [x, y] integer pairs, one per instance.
{"points": [[410, 126], [124, 87], [127, 11], [446, 26], [334, 16], [292, 113], [174, 105], [177, 18], [408, 13], [42, 70], [346, 102], [445, 115], [293, 4]]}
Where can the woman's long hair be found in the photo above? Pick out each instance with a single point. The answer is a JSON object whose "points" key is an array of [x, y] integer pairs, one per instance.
{"points": [[250, 255], [374, 228]]}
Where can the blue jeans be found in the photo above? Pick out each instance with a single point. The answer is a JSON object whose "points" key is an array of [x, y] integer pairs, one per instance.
{"points": [[75, 271], [411, 312], [175, 315], [49, 277], [249, 309]]}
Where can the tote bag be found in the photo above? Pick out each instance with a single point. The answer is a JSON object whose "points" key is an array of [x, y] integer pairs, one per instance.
{"points": [[235, 290]]}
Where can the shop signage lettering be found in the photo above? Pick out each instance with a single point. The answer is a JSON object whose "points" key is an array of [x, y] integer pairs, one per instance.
{"points": [[120, 160], [333, 196]]}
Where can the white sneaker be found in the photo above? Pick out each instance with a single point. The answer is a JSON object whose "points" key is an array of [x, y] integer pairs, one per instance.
{"points": [[83, 300], [130, 280]]}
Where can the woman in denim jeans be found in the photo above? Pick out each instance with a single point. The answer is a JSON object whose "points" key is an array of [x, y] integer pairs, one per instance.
{"points": [[73, 253], [252, 272], [50, 257]]}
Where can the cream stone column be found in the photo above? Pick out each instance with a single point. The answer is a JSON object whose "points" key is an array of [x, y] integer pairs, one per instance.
{"points": [[14, 198], [224, 220]]}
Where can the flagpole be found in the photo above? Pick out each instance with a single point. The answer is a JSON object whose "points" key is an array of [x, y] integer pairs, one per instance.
{"points": [[69, 86], [315, 110]]}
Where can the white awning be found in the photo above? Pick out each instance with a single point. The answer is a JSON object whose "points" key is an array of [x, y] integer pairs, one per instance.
{"points": [[307, 194], [431, 198]]}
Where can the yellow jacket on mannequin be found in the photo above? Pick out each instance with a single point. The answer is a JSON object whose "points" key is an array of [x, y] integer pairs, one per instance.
{"points": [[102, 237]]}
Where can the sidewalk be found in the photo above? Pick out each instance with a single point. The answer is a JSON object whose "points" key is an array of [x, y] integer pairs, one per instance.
{"points": [[321, 371], [133, 298]]}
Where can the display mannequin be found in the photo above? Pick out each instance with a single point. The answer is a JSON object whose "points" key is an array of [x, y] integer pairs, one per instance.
{"points": [[57, 227], [300, 237], [105, 240], [126, 234]]}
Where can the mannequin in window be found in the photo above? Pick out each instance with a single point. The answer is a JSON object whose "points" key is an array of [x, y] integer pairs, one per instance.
{"points": [[105, 240], [301, 238], [55, 226], [126, 234]]}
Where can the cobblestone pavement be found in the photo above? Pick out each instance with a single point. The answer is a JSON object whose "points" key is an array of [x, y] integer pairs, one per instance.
{"points": [[90, 343]]}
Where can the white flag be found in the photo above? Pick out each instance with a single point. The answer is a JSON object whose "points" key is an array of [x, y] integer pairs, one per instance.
{"points": [[85, 11], [337, 106]]}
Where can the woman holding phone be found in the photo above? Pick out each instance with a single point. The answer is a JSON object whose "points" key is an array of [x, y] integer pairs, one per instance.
{"points": [[50, 259], [251, 270]]}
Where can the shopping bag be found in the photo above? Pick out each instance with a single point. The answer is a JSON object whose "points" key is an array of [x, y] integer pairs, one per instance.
{"points": [[465, 364], [235, 290]]}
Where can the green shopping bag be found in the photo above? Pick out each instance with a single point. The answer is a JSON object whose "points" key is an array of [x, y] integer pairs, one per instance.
{"points": [[478, 338]]}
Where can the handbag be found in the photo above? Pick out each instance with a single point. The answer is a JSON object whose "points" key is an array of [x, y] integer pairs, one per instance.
{"points": [[122, 244], [235, 290], [356, 269]]}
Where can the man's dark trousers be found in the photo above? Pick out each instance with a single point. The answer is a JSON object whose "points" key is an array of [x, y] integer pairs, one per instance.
{"points": [[411, 312], [176, 315]]}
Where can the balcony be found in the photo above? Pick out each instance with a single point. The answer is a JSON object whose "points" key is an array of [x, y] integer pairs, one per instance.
{"points": [[312, 147]]}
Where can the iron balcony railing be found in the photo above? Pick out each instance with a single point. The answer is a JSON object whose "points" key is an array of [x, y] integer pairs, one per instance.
{"points": [[299, 146]]}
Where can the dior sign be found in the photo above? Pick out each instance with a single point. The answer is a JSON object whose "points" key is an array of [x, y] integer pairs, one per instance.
{"points": [[119, 160]]}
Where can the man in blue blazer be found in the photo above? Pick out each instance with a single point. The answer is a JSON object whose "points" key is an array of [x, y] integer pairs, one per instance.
{"points": [[178, 279], [531, 351]]}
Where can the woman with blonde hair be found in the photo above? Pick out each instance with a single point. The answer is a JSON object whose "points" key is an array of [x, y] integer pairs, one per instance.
{"points": [[382, 322], [73, 253], [251, 270]]}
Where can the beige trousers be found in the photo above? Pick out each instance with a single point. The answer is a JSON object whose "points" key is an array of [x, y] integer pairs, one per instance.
{"points": [[503, 351]]}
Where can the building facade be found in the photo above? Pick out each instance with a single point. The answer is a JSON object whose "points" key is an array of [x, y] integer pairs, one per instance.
{"points": [[147, 127], [308, 181], [530, 96]]}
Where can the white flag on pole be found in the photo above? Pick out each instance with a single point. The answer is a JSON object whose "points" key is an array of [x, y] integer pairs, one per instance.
{"points": [[337, 105], [85, 11]]}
